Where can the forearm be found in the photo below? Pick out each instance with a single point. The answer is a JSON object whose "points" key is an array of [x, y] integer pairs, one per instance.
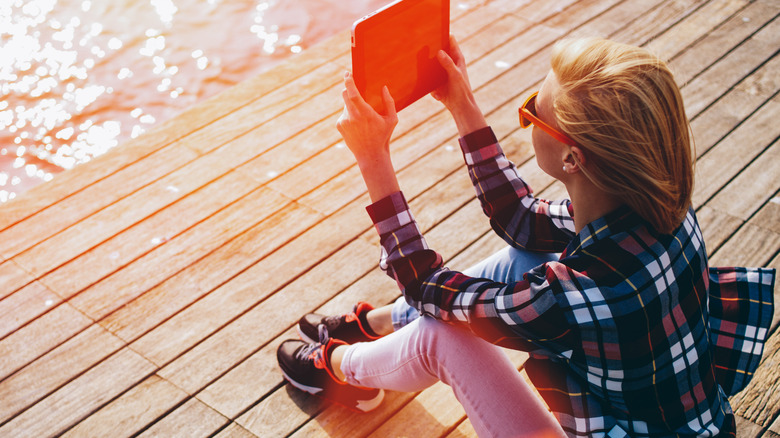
{"points": [[379, 175], [468, 117]]}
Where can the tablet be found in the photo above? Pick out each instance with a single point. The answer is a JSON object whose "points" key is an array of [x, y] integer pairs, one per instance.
{"points": [[397, 46]]}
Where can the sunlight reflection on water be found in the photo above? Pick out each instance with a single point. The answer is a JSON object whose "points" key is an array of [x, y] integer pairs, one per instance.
{"points": [[78, 77]]}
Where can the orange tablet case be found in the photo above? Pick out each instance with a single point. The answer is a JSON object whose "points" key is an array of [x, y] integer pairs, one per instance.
{"points": [[397, 46]]}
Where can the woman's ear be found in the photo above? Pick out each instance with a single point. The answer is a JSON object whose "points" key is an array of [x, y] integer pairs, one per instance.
{"points": [[574, 159]]}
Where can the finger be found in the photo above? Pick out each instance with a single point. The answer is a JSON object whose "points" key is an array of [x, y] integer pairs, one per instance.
{"points": [[389, 103], [447, 63], [349, 105], [358, 103], [455, 53]]}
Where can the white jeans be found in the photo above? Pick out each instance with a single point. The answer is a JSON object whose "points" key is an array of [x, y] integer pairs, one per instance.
{"points": [[498, 401]]}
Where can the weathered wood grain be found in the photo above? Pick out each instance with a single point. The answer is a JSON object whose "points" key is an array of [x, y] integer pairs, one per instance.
{"points": [[132, 411], [759, 402], [193, 418], [49, 372], [81, 396], [39, 337]]}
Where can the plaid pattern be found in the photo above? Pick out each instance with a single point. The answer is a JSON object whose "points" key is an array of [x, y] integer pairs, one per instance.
{"points": [[617, 329], [738, 295]]}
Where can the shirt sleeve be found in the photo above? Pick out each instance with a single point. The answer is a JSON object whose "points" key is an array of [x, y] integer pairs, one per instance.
{"points": [[522, 315], [519, 218]]}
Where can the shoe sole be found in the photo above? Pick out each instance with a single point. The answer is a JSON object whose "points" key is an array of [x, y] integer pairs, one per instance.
{"points": [[360, 405]]}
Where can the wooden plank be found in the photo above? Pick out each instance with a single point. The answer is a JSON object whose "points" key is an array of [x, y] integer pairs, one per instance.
{"points": [[12, 277], [234, 431], [39, 337], [716, 226], [191, 419], [138, 206], [351, 423], [283, 410], [769, 215], [432, 413], [56, 368], [693, 27], [721, 118], [748, 429], [250, 381], [723, 39], [190, 284], [173, 255], [464, 430], [646, 27], [750, 246], [732, 68], [242, 378], [760, 401], [753, 187], [132, 411], [723, 161], [147, 235], [614, 20], [79, 398], [55, 218], [25, 305]]}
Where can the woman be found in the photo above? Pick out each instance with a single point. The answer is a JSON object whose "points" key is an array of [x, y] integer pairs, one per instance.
{"points": [[617, 326]]}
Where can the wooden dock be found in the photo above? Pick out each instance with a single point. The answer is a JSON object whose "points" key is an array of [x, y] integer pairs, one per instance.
{"points": [[145, 293]]}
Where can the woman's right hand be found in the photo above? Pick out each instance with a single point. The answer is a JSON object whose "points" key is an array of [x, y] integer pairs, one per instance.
{"points": [[456, 93]]}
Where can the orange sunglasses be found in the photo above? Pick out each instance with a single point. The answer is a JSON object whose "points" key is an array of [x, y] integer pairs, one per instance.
{"points": [[528, 116]]}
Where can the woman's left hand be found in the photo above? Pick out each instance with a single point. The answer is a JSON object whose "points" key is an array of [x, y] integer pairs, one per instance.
{"points": [[365, 131]]}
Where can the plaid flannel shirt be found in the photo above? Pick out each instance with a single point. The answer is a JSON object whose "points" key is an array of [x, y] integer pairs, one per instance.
{"points": [[618, 329]]}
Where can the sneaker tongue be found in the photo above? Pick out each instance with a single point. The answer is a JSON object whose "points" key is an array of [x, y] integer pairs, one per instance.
{"points": [[332, 322], [324, 336], [305, 352]]}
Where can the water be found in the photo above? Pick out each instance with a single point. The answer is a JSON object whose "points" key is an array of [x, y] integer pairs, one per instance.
{"points": [[78, 77]]}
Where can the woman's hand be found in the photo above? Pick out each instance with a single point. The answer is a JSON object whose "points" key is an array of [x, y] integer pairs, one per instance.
{"points": [[456, 94], [367, 134]]}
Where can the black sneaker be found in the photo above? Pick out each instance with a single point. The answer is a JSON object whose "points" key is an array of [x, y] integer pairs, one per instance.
{"points": [[350, 328], [307, 367]]}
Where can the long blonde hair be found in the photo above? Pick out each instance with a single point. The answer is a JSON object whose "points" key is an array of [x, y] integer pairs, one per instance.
{"points": [[622, 105]]}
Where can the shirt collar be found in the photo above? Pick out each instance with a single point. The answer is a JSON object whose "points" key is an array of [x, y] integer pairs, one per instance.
{"points": [[620, 219]]}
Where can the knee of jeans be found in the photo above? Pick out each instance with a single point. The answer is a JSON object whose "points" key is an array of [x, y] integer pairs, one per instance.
{"points": [[437, 337], [440, 345]]}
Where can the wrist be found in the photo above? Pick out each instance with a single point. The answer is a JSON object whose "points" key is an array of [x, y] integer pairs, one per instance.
{"points": [[468, 118], [378, 174]]}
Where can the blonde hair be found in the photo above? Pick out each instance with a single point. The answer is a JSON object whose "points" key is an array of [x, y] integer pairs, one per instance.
{"points": [[622, 105]]}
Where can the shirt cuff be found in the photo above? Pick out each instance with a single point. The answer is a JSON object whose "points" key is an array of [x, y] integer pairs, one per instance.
{"points": [[390, 213], [479, 146]]}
